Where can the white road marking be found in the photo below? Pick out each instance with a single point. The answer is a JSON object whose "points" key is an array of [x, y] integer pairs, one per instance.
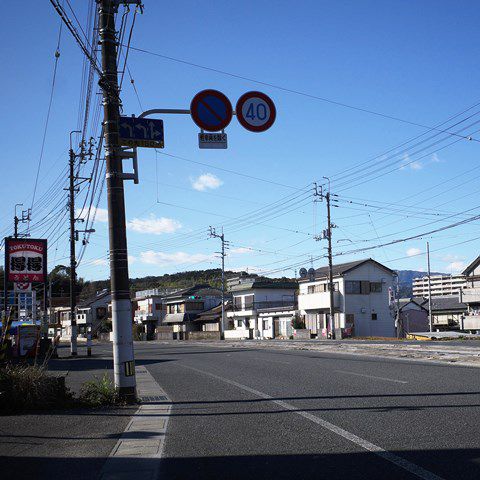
{"points": [[365, 444], [371, 376], [261, 359]]}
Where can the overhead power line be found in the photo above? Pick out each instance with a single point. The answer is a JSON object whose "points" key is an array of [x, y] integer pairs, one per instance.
{"points": [[296, 92]]}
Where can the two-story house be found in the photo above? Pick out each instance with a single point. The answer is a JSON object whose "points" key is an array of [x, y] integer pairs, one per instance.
{"points": [[150, 310], [470, 295], [183, 306], [361, 299], [261, 308]]}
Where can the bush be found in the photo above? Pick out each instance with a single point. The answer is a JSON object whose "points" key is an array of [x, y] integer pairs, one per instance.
{"points": [[98, 393], [25, 387]]}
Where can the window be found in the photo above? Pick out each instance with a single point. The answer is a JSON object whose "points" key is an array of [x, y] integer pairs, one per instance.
{"points": [[265, 324], [374, 316], [239, 323], [158, 306], [350, 318], [237, 302], [248, 301], [191, 306], [352, 286], [365, 287], [376, 287], [323, 287]]}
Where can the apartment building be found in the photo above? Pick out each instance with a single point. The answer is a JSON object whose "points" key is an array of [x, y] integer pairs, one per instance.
{"points": [[260, 308], [440, 285], [361, 299]]}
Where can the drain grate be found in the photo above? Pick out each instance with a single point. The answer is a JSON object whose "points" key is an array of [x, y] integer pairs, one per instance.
{"points": [[153, 398]]}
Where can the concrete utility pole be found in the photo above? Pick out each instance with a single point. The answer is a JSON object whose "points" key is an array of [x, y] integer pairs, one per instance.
{"points": [[73, 261], [213, 233], [123, 357], [430, 319], [330, 264], [327, 233]]}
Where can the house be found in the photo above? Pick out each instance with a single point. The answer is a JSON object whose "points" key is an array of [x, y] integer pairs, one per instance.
{"points": [[150, 311], [92, 312], [209, 320], [361, 299], [261, 308], [448, 312], [413, 316], [470, 295], [183, 306]]}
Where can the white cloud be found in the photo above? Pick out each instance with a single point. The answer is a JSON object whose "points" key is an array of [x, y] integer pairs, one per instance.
{"points": [[247, 268], [163, 259], [131, 259], [241, 250], [412, 252], [205, 182], [416, 166], [451, 257], [101, 214], [456, 267], [154, 225], [435, 158]]}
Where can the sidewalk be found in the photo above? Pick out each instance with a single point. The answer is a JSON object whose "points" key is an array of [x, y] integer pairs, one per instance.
{"points": [[71, 444]]}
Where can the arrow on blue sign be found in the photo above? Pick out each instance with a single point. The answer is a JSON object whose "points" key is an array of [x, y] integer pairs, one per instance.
{"points": [[141, 132]]}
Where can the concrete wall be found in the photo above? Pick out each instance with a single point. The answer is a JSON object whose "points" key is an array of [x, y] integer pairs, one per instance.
{"points": [[236, 334], [203, 336]]}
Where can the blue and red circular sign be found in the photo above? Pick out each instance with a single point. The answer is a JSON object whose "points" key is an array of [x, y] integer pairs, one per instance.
{"points": [[211, 110], [255, 111]]}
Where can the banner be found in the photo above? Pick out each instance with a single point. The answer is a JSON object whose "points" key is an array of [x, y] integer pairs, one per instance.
{"points": [[25, 260]]}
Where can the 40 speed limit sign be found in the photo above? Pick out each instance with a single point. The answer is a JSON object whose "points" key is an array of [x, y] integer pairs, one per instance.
{"points": [[255, 111]]}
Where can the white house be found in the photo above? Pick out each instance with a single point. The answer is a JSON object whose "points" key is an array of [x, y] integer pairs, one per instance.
{"points": [[470, 295], [260, 308], [361, 299]]}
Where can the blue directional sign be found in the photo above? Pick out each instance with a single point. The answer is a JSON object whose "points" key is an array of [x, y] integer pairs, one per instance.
{"points": [[211, 110], [141, 132]]}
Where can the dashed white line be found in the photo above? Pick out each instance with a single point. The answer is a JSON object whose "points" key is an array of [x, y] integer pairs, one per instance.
{"points": [[365, 444], [371, 376]]}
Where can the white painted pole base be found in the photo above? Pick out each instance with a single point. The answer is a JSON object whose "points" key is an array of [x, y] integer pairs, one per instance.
{"points": [[123, 360], [73, 341]]}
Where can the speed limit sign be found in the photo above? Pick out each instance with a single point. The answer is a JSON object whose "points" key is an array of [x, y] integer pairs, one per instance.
{"points": [[255, 111]]}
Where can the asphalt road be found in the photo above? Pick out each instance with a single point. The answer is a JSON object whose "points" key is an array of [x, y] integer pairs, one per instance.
{"points": [[249, 413]]}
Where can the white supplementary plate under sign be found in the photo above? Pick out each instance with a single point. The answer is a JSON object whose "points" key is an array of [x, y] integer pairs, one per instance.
{"points": [[212, 140]]}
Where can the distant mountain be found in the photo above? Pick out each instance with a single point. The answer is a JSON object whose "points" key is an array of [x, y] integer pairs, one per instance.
{"points": [[405, 278]]}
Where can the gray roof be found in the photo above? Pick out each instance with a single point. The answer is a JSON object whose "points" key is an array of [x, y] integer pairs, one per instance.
{"points": [[447, 303], [342, 268], [201, 290], [248, 285], [472, 266], [420, 301]]}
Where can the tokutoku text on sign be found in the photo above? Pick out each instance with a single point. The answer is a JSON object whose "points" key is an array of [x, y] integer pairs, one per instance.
{"points": [[140, 132]]}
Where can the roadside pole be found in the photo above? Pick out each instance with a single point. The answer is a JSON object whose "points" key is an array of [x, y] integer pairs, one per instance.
{"points": [[330, 265], [123, 357], [73, 262], [430, 319], [213, 233]]}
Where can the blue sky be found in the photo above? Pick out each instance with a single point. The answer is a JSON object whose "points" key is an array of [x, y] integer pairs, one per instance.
{"points": [[412, 60]]}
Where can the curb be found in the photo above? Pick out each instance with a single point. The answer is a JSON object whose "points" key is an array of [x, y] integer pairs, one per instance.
{"points": [[137, 454]]}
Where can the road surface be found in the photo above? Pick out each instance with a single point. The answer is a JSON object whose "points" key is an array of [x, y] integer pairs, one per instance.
{"points": [[252, 413]]}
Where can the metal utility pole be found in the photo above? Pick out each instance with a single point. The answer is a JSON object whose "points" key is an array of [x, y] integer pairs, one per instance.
{"points": [[123, 357], [327, 233], [73, 261], [430, 319], [214, 234]]}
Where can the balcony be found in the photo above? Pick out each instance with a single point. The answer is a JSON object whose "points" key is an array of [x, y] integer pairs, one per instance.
{"points": [[252, 307], [470, 295], [318, 301]]}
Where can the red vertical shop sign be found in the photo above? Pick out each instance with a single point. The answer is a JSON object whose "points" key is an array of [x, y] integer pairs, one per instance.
{"points": [[26, 260]]}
